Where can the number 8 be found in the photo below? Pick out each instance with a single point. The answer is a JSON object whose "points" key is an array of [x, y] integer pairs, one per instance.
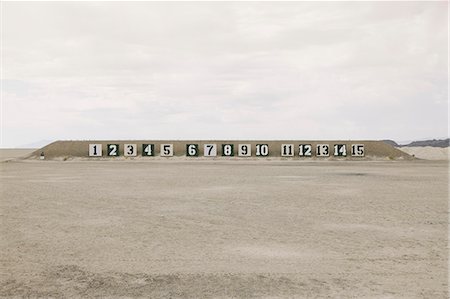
{"points": [[227, 150]]}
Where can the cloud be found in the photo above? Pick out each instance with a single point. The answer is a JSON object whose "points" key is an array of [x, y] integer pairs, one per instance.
{"points": [[106, 70]]}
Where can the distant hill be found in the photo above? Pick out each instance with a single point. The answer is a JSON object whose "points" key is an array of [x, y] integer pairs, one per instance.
{"points": [[433, 143]]}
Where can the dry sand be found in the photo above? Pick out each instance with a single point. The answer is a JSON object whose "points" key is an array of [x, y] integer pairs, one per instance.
{"points": [[427, 152], [224, 229], [13, 153]]}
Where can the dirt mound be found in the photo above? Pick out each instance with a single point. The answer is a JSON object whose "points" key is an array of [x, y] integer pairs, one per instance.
{"points": [[63, 150]]}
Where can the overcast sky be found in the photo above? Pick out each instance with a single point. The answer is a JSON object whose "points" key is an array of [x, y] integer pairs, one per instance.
{"points": [[210, 70]]}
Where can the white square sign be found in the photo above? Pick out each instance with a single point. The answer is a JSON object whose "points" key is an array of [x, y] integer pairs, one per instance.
{"points": [[130, 150], [210, 150], [95, 150], [287, 150], [244, 150], [323, 150], [166, 150], [358, 150]]}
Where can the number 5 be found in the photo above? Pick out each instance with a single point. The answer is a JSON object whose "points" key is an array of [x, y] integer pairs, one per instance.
{"points": [[166, 150]]}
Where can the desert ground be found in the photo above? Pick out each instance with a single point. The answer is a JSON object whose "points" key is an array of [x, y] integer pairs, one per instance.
{"points": [[224, 229]]}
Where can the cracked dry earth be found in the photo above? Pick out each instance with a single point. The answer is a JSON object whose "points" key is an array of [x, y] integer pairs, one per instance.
{"points": [[224, 229]]}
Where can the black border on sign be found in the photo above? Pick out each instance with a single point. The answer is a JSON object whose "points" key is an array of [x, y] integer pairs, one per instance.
{"points": [[256, 150], [306, 155], [107, 150], [196, 150], [232, 150], [334, 150], [144, 145]]}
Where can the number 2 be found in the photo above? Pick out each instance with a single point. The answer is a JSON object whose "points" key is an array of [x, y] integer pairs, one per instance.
{"points": [[113, 149]]}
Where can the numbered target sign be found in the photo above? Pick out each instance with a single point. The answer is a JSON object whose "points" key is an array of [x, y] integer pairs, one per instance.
{"points": [[130, 150], [95, 150], [113, 150], [305, 150], [210, 150], [323, 150], [287, 150], [340, 150], [358, 150], [227, 150], [192, 150], [148, 150], [166, 150], [244, 150], [262, 150]]}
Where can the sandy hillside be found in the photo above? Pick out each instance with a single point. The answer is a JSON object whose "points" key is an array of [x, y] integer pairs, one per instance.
{"points": [[224, 229], [7, 153], [427, 152]]}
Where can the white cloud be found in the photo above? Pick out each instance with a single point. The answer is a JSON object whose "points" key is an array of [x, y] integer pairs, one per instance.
{"points": [[224, 70]]}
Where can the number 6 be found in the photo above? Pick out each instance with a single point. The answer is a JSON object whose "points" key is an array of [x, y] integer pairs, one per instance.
{"points": [[192, 150]]}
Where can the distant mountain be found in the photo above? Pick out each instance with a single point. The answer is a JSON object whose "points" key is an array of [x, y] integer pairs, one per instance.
{"points": [[432, 142]]}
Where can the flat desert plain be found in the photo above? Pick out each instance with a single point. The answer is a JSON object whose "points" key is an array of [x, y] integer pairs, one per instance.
{"points": [[224, 229]]}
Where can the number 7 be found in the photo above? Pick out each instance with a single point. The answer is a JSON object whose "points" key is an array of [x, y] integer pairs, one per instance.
{"points": [[209, 147]]}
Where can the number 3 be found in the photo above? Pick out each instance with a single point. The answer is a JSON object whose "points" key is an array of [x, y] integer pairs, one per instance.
{"points": [[130, 150]]}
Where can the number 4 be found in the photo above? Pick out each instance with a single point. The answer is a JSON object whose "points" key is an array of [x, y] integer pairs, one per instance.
{"points": [[148, 149]]}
